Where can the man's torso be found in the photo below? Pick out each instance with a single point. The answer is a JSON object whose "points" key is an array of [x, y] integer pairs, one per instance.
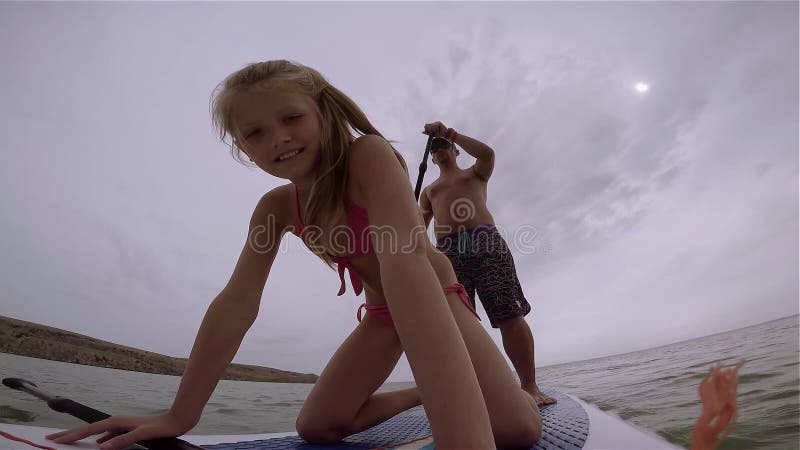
{"points": [[458, 202]]}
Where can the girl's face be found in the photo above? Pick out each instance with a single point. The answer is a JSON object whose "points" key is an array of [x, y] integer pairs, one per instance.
{"points": [[280, 131]]}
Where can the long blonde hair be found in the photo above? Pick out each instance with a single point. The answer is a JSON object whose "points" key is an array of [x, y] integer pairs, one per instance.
{"points": [[341, 122]]}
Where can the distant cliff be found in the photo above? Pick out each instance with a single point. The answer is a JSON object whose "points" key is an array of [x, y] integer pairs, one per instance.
{"points": [[38, 341]]}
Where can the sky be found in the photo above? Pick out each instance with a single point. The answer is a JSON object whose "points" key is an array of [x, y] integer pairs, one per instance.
{"points": [[636, 219]]}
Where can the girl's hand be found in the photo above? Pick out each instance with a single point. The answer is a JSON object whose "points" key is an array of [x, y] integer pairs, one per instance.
{"points": [[435, 129], [123, 431]]}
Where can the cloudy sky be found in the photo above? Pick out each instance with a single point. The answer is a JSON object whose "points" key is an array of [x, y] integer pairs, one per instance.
{"points": [[636, 218]]}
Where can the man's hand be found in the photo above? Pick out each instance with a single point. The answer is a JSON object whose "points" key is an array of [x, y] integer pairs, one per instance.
{"points": [[435, 129]]}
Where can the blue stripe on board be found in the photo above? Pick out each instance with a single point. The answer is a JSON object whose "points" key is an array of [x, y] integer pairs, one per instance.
{"points": [[566, 427]]}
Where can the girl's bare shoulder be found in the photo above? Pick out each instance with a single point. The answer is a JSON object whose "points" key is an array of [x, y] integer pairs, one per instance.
{"points": [[371, 155], [372, 160], [276, 207]]}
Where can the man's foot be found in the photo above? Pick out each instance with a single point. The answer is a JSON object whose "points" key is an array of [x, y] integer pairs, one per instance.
{"points": [[541, 399]]}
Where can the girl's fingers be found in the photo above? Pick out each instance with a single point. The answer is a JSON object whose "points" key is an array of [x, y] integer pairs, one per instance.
{"points": [[56, 435], [76, 434], [106, 437], [123, 441], [79, 433]]}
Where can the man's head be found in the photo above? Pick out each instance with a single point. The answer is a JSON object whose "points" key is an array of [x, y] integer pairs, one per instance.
{"points": [[443, 151]]}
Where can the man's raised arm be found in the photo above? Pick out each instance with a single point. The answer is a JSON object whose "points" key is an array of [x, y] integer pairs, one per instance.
{"points": [[484, 154]]}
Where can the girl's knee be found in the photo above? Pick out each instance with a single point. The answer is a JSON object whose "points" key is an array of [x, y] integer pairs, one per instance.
{"points": [[522, 433], [319, 431], [523, 436]]}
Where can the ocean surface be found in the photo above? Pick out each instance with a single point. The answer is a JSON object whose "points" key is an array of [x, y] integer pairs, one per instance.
{"points": [[654, 388]]}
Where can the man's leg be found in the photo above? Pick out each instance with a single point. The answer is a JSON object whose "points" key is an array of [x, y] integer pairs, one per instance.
{"points": [[518, 344], [501, 294]]}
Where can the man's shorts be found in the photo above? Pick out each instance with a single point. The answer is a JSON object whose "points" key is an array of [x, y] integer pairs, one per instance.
{"points": [[483, 263]]}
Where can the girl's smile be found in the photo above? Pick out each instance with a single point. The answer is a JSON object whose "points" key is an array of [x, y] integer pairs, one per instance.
{"points": [[289, 155]]}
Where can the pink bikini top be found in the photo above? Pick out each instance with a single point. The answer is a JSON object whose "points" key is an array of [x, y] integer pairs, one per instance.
{"points": [[358, 240]]}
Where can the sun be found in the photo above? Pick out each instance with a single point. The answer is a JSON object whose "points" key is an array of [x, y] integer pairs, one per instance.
{"points": [[641, 87]]}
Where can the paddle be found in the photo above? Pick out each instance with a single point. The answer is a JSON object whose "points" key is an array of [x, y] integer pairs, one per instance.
{"points": [[423, 166], [91, 415]]}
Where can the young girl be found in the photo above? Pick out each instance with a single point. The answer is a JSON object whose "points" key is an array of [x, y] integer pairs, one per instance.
{"points": [[289, 121]]}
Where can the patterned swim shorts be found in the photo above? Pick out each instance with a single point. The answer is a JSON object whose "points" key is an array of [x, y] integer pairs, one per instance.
{"points": [[483, 263]]}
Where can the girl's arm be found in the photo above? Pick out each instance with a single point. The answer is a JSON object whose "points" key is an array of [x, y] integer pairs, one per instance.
{"points": [[230, 315], [428, 332], [228, 318]]}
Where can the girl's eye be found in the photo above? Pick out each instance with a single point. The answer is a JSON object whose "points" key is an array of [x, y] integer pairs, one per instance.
{"points": [[252, 134], [293, 117]]}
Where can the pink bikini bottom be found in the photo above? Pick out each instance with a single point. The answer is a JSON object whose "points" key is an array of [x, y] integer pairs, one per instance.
{"points": [[381, 312]]}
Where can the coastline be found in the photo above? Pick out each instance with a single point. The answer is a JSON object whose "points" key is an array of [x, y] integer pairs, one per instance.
{"points": [[23, 338]]}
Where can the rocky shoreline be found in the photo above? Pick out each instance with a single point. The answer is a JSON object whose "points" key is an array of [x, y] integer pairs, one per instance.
{"points": [[38, 341]]}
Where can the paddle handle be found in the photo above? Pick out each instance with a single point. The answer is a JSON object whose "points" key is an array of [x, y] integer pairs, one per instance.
{"points": [[423, 167], [75, 409], [168, 444]]}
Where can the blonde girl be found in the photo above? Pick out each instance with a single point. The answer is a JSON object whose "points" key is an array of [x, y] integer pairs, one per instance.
{"points": [[350, 200]]}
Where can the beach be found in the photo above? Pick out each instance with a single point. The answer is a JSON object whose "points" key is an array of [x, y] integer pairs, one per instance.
{"points": [[23, 338]]}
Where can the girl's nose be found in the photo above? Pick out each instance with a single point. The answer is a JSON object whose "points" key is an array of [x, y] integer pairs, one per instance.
{"points": [[280, 139]]}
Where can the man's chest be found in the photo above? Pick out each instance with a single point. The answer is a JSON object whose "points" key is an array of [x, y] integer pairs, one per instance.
{"points": [[445, 191]]}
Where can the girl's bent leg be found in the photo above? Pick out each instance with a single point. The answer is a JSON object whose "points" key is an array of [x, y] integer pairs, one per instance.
{"points": [[380, 407], [514, 416], [342, 401]]}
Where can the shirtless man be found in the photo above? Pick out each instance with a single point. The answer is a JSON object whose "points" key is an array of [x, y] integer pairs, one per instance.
{"points": [[465, 232]]}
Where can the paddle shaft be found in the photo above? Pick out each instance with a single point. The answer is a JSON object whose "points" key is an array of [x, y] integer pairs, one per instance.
{"points": [[423, 166], [90, 415]]}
